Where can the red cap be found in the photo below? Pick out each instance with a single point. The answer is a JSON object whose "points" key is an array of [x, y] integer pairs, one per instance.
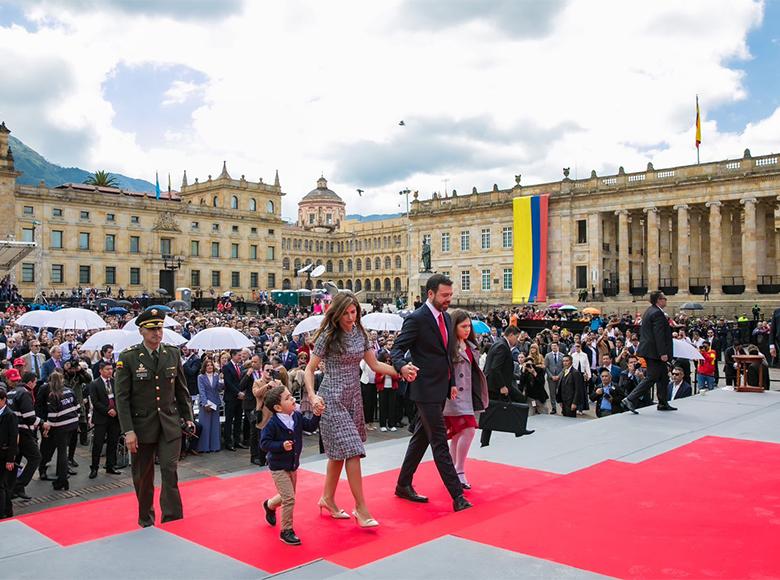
{"points": [[13, 375], [19, 362]]}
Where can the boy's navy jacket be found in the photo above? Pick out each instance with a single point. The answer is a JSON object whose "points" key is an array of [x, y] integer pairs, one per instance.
{"points": [[275, 433]]}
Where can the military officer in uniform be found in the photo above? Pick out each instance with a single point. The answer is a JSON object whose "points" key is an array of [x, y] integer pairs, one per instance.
{"points": [[151, 400]]}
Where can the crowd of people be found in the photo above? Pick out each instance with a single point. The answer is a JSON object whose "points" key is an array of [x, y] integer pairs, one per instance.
{"points": [[58, 393]]}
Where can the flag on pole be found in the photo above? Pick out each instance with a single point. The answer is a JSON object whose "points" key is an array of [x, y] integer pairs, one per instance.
{"points": [[698, 124], [157, 185]]}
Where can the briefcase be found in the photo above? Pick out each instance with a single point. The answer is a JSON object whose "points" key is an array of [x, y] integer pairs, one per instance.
{"points": [[505, 416]]}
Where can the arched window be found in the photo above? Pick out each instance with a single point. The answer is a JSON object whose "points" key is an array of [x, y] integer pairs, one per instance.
{"points": [[253, 204], [358, 265], [349, 284], [286, 284], [215, 201], [358, 286], [202, 201], [388, 262], [234, 202], [377, 263], [368, 264], [329, 266], [377, 285], [341, 266], [398, 262], [319, 262], [367, 285], [397, 284], [388, 285], [297, 264], [285, 263], [269, 207], [349, 265], [340, 284]]}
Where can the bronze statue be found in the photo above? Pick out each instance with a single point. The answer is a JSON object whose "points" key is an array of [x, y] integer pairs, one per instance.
{"points": [[426, 256]]}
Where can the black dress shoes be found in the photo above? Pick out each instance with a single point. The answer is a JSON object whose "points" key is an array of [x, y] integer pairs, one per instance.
{"points": [[230, 448], [112, 471], [629, 406], [289, 538], [460, 503], [270, 515], [43, 476], [257, 461], [20, 493], [73, 463], [666, 407], [93, 472], [526, 432], [72, 472], [241, 446], [407, 492]]}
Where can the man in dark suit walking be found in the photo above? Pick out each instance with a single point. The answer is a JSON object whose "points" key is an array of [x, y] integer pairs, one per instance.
{"points": [[426, 334], [655, 346], [104, 418], [234, 396], [499, 370], [571, 388]]}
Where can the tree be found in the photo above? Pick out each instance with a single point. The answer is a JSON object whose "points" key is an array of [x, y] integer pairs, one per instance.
{"points": [[102, 179]]}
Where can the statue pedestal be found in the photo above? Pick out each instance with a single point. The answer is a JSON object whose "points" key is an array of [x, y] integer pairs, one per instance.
{"points": [[417, 284]]}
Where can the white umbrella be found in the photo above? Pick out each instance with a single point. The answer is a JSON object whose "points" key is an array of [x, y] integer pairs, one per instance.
{"points": [[309, 324], [36, 318], [684, 349], [382, 321], [104, 337], [168, 322], [219, 338], [122, 339], [76, 319]]}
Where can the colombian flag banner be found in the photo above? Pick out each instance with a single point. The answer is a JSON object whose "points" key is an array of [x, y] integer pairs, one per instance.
{"points": [[529, 274]]}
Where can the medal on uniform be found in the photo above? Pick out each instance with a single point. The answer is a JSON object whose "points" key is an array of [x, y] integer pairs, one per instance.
{"points": [[141, 372]]}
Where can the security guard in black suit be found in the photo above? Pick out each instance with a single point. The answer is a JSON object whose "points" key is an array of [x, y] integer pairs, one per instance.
{"points": [[152, 399]]}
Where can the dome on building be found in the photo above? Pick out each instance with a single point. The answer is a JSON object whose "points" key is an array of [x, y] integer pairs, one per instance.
{"points": [[322, 193]]}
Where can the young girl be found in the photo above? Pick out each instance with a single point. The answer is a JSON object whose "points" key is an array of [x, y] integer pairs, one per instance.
{"points": [[282, 440]]}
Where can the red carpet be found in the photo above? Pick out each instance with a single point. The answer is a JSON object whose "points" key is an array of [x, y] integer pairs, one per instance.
{"points": [[708, 509]]}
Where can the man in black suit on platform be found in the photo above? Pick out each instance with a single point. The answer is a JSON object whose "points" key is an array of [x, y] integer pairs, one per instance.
{"points": [[571, 388], [232, 373], [655, 346], [500, 373], [104, 418], [427, 334]]}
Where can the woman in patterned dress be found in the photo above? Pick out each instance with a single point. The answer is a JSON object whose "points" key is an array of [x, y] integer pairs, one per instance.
{"points": [[341, 343]]}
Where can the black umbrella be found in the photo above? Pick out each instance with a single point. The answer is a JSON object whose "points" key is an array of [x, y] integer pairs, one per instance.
{"points": [[691, 306], [162, 291], [178, 304], [123, 303], [106, 303]]}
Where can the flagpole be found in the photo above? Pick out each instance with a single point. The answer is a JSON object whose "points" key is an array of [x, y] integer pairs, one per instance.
{"points": [[698, 129]]}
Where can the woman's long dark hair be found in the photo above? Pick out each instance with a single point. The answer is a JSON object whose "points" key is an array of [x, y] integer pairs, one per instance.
{"points": [[459, 316], [330, 328], [56, 385]]}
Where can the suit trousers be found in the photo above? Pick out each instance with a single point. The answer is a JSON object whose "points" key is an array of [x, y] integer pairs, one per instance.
{"points": [[107, 432], [387, 401], [285, 486], [60, 439], [7, 482], [552, 388], [143, 479], [430, 430], [368, 393], [658, 375], [234, 414], [28, 448]]}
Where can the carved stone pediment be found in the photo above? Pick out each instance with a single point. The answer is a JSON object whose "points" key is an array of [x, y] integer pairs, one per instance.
{"points": [[166, 223]]}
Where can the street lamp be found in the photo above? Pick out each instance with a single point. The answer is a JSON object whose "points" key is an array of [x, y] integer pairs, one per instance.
{"points": [[405, 191], [171, 263]]}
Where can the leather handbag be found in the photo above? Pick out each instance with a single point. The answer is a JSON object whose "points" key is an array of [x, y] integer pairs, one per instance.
{"points": [[505, 416]]}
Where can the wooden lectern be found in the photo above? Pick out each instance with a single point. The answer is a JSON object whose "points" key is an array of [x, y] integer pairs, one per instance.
{"points": [[743, 362]]}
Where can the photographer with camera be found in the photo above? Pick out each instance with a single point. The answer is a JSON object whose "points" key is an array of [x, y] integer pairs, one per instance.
{"points": [[525, 374], [268, 379]]}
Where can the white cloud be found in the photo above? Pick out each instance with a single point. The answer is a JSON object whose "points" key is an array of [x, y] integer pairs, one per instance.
{"points": [[301, 86]]}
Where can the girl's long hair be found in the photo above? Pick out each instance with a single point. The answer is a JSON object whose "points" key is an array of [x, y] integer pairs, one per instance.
{"points": [[330, 329], [56, 385], [459, 316]]}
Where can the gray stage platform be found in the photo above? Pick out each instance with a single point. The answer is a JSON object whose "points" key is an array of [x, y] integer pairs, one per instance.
{"points": [[560, 445]]}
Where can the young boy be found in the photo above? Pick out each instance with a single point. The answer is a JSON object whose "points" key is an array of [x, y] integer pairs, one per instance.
{"points": [[282, 440]]}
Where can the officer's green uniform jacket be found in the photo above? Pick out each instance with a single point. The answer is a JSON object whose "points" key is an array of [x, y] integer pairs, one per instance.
{"points": [[151, 399]]}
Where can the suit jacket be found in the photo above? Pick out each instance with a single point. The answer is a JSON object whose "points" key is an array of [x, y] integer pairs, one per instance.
{"points": [[29, 366], [289, 359], [247, 380], [48, 368], [572, 387], [420, 336], [776, 325], [551, 367], [98, 398], [499, 368], [655, 335], [232, 381], [191, 368], [684, 391], [9, 434], [728, 356]]}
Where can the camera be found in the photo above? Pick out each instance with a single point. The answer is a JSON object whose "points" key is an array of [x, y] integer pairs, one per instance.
{"points": [[275, 374]]}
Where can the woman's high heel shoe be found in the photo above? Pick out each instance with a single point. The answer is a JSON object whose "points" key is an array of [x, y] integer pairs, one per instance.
{"points": [[336, 514], [369, 523]]}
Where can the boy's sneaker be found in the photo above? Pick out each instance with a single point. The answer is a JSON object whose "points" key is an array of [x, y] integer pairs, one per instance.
{"points": [[393, 429], [270, 515], [383, 429], [289, 538]]}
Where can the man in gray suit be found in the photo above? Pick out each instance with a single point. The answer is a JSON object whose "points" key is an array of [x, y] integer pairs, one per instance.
{"points": [[553, 368]]}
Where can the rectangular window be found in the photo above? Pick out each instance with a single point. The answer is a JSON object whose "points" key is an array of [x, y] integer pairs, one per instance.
{"points": [[270, 232], [28, 234], [582, 231], [582, 276], [195, 248], [215, 279], [465, 280], [57, 276], [271, 280], [506, 237], [215, 249], [485, 280], [234, 250], [28, 210], [135, 220], [135, 276], [253, 231], [110, 217], [84, 241], [166, 246], [110, 243], [271, 253], [28, 272], [253, 252], [465, 241], [135, 244], [55, 242], [235, 229], [195, 225], [85, 274], [445, 241], [235, 279], [84, 215], [110, 274], [56, 212], [195, 278], [485, 238], [446, 273], [329, 218], [507, 278], [214, 227], [311, 218], [253, 279]]}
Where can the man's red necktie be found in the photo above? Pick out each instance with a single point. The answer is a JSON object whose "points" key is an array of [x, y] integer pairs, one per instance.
{"points": [[443, 329]]}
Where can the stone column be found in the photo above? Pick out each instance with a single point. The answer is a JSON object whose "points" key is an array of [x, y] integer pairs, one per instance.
{"points": [[683, 268], [623, 265], [727, 232], [716, 254], [694, 244], [652, 248], [595, 237], [749, 258]]}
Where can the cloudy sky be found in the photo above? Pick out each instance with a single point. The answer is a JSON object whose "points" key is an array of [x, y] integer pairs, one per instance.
{"points": [[487, 89]]}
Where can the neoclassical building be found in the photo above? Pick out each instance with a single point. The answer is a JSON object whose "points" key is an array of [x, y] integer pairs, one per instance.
{"points": [[681, 229]]}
